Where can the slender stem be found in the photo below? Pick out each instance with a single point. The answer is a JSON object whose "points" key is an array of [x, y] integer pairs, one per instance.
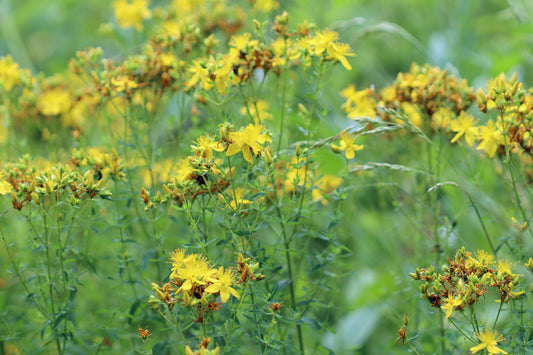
{"points": [[194, 224], [485, 231], [226, 342], [50, 280], [508, 159], [497, 315], [123, 249], [19, 276], [176, 324], [293, 297], [283, 104], [412, 347], [459, 329]]}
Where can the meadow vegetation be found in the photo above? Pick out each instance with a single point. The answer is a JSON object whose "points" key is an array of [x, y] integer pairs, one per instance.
{"points": [[261, 177]]}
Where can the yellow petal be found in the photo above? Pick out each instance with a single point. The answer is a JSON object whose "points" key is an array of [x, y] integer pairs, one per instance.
{"points": [[247, 155], [233, 149], [5, 188]]}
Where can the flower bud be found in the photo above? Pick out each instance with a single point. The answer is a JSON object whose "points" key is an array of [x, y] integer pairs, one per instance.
{"points": [[283, 19], [501, 101], [481, 97], [257, 25]]}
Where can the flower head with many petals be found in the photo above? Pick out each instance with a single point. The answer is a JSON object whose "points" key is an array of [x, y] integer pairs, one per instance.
{"points": [[131, 14], [489, 340], [464, 125], [248, 141], [222, 284]]}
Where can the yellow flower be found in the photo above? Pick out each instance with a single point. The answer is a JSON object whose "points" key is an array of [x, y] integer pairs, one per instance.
{"points": [[5, 187], [54, 102], [248, 141], [243, 42], [177, 257], [131, 14], [441, 118], [222, 75], [159, 172], [464, 125], [185, 170], [339, 51], [325, 41], [172, 29], [258, 111], [296, 176], [358, 103], [205, 145], [237, 200], [194, 271], [9, 73], [451, 304], [266, 5], [491, 138], [504, 267], [489, 340], [168, 59], [284, 49], [483, 259], [322, 40], [347, 144], [325, 185], [389, 94], [199, 74], [222, 284], [122, 83], [412, 112]]}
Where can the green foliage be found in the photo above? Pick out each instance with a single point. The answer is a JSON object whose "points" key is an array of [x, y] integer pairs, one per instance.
{"points": [[183, 186]]}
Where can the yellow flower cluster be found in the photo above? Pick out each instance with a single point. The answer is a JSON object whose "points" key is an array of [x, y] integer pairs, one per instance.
{"points": [[429, 96], [82, 178], [249, 57], [195, 283], [514, 106], [181, 54], [434, 100], [466, 279], [292, 176], [44, 103], [11, 75], [204, 173], [131, 14]]}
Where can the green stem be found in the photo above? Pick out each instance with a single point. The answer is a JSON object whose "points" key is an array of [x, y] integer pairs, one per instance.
{"points": [[194, 224], [497, 315], [459, 329], [226, 342], [508, 159], [40, 307], [176, 324], [50, 280], [485, 231], [123, 249], [412, 347], [283, 104]]}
